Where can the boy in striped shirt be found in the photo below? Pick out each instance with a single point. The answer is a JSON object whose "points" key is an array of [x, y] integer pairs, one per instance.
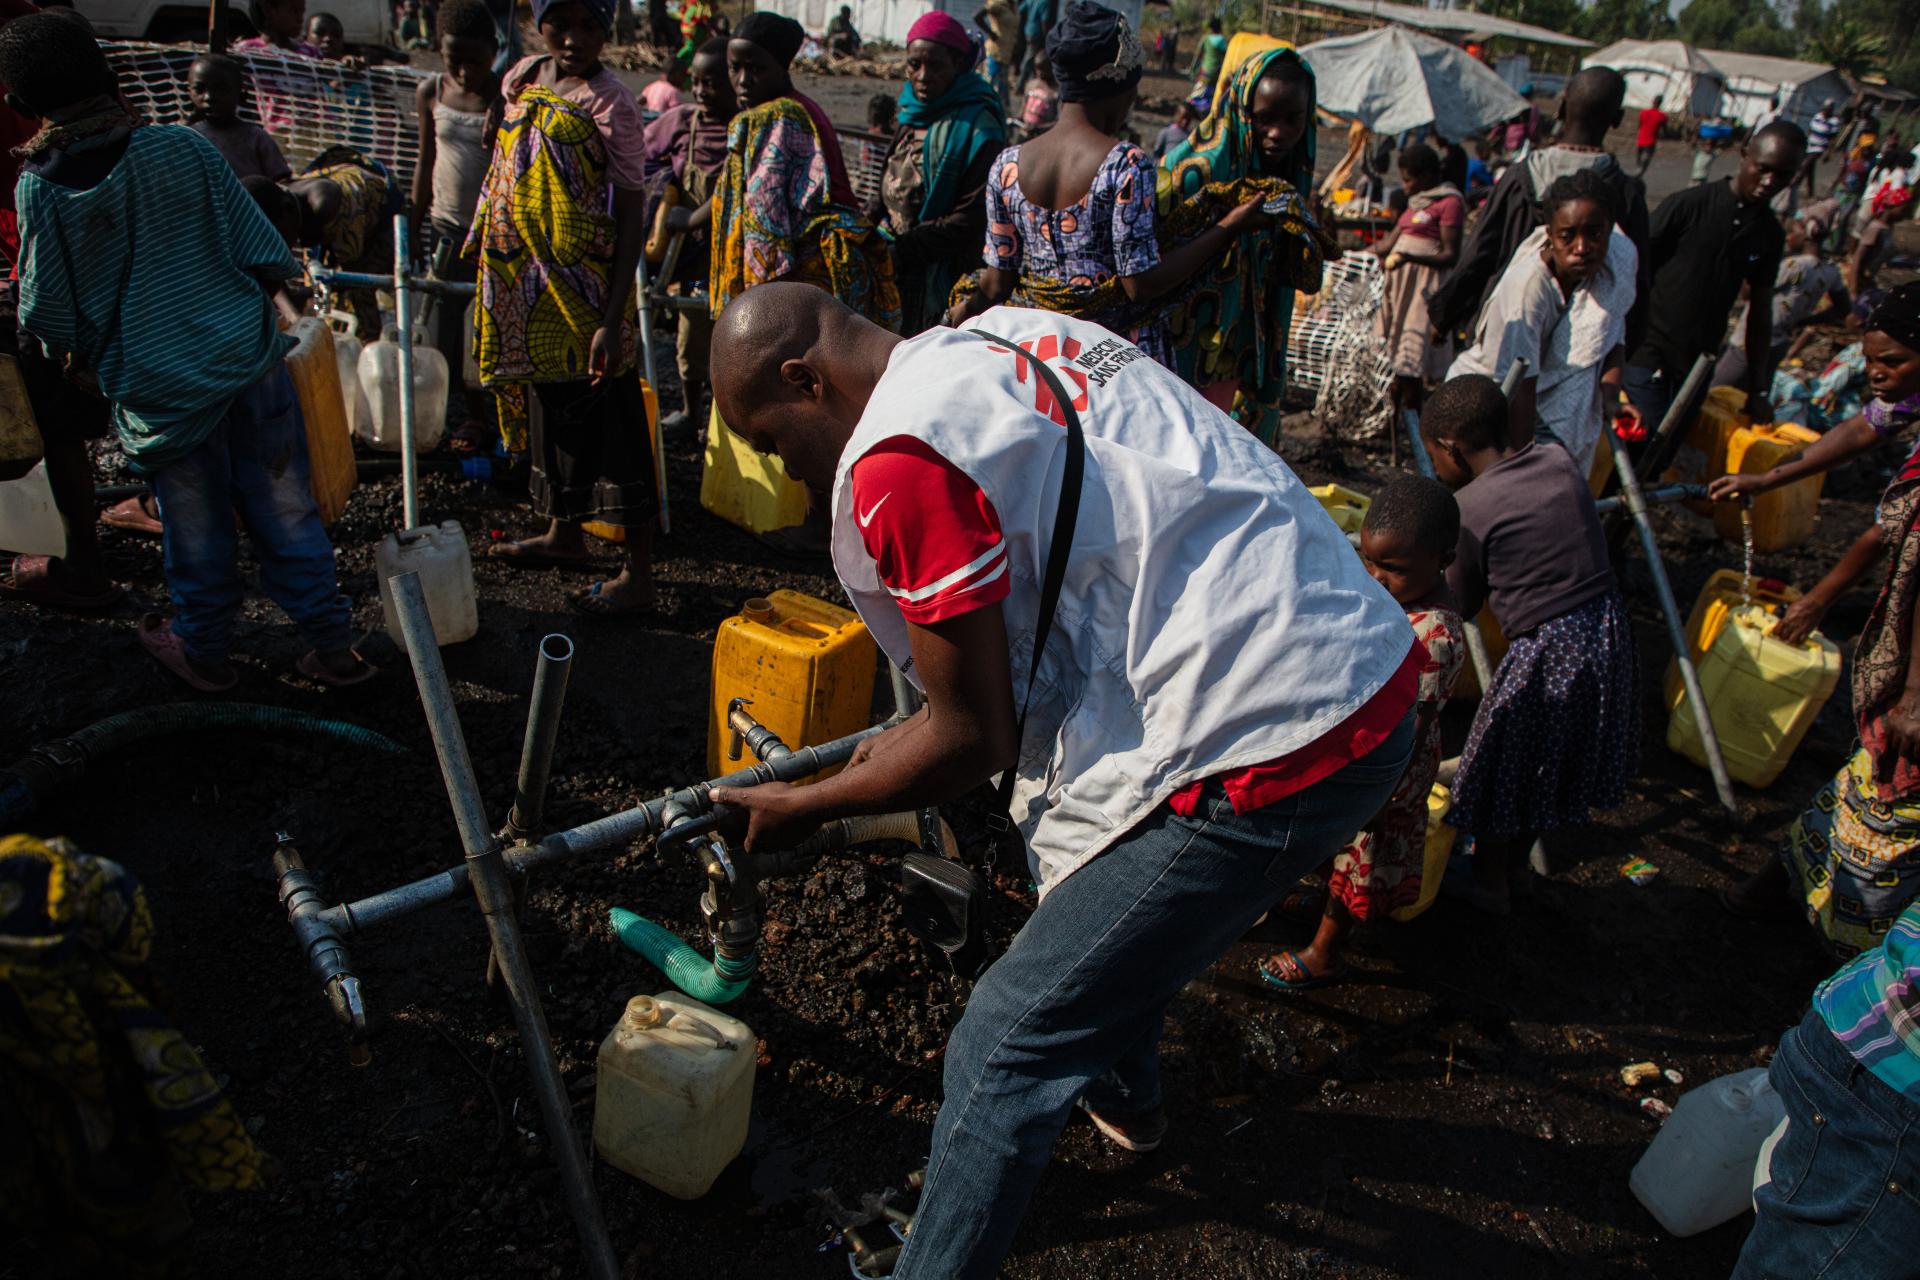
{"points": [[148, 268]]}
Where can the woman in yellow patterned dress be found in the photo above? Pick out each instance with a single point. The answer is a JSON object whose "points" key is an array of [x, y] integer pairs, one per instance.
{"points": [[558, 233], [784, 209]]}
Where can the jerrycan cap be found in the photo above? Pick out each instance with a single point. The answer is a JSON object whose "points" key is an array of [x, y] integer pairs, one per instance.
{"points": [[642, 1012], [759, 609]]}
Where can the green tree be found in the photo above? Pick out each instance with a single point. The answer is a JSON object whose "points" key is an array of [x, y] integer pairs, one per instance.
{"points": [[1742, 25], [1605, 21]]}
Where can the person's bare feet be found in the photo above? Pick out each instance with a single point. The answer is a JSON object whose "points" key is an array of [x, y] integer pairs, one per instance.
{"points": [[628, 594]]}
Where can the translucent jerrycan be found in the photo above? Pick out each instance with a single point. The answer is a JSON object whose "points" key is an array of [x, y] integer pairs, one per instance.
{"points": [[346, 354], [1762, 693], [672, 1093], [1698, 1173], [1726, 590], [30, 524], [438, 553], [380, 380]]}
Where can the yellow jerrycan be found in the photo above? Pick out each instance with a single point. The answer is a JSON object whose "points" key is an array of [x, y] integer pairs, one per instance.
{"points": [[613, 532], [1783, 518], [806, 666], [1348, 507], [746, 488], [1439, 847], [1468, 683], [1716, 602], [316, 382], [1762, 693], [1702, 456]]}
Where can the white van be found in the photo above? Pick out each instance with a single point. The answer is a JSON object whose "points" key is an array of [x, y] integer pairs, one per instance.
{"points": [[368, 22]]}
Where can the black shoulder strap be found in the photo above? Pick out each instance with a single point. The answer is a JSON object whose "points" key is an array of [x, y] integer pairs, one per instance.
{"points": [[1058, 551]]}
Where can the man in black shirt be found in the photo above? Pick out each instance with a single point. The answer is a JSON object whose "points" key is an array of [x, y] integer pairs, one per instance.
{"points": [[1705, 243]]}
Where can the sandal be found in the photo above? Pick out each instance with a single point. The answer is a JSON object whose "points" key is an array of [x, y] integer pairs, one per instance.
{"points": [[132, 516], [472, 439], [157, 638], [31, 579], [1300, 978], [592, 604], [312, 668], [522, 554]]}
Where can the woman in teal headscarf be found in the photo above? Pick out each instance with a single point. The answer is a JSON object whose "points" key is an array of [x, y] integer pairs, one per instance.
{"points": [[932, 198], [1230, 337]]}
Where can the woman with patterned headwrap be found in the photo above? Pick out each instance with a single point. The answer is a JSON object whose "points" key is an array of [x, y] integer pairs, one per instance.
{"points": [[1071, 218], [1852, 859], [558, 232], [1230, 338], [932, 201], [784, 210]]}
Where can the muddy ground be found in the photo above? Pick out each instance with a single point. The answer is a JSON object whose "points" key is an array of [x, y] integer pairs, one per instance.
{"points": [[1453, 1110]]}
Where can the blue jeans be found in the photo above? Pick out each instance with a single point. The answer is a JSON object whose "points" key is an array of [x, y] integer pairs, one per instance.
{"points": [[1844, 1200], [255, 463], [1073, 1009]]}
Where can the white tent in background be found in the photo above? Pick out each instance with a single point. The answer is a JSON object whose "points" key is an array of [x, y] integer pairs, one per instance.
{"points": [[889, 19], [1392, 79], [1671, 70], [1752, 81]]}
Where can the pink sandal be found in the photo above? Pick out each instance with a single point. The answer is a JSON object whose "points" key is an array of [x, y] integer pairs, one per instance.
{"points": [[158, 639]]}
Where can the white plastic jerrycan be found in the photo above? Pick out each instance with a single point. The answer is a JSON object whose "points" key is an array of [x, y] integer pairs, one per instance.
{"points": [[438, 553], [380, 382], [1699, 1171], [30, 524], [346, 351], [674, 1087]]}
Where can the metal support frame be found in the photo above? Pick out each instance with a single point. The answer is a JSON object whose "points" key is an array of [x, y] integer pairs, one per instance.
{"points": [[543, 729], [403, 317], [487, 872], [645, 305], [1636, 506]]}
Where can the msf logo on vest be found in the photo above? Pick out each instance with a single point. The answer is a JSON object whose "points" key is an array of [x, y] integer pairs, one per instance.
{"points": [[1051, 349]]}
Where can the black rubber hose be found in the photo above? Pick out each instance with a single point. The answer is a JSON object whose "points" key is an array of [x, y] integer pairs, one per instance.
{"points": [[35, 775]]}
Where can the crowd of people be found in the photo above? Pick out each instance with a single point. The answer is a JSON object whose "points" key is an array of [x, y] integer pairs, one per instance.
{"points": [[1034, 390]]}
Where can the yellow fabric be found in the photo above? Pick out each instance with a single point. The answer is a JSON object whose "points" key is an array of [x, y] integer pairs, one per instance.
{"points": [[75, 936], [1244, 45]]}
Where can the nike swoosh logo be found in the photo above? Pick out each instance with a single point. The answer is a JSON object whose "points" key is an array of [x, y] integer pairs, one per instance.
{"points": [[867, 518]]}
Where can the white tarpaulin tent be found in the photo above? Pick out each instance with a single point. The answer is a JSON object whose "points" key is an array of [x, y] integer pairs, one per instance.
{"points": [[1672, 70], [889, 19], [1393, 79], [1751, 82]]}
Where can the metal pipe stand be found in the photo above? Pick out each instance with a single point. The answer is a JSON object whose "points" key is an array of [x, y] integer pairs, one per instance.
{"points": [[493, 888]]}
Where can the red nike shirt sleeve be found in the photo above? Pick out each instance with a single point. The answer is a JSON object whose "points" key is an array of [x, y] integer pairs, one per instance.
{"points": [[930, 530]]}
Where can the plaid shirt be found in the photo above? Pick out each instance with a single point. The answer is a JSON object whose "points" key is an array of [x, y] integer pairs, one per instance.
{"points": [[1873, 1006]]}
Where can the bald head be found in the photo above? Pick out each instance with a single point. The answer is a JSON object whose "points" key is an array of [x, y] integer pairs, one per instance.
{"points": [[792, 369], [1593, 104]]}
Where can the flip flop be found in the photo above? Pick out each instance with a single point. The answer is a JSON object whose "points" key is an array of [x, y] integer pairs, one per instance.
{"points": [[312, 668], [158, 639], [1307, 983], [525, 556], [471, 439], [30, 579], [590, 603], [131, 516]]}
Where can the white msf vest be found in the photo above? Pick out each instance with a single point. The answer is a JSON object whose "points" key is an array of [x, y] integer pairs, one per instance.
{"points": [[1213, 616]]}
